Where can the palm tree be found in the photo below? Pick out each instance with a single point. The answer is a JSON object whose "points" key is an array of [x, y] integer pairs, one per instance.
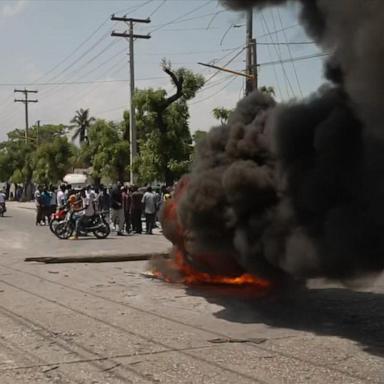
{"points": [[221, 114], [83, 122]]}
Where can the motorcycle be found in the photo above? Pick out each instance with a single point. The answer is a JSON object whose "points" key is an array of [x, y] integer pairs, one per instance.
{"points": [[96, 224], [3, 209], [56, 218]]}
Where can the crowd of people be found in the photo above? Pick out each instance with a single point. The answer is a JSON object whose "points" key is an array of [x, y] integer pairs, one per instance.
{"points": [[124, 206]]}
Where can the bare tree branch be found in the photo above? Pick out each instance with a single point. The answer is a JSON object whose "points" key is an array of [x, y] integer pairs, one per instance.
{"points": [[179, 87]]}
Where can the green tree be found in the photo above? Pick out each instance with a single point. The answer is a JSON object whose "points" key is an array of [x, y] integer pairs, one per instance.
{"points": [[52, 160], [82, 122], [18, 158], [221, 114], [165, 143], [106, 151]]}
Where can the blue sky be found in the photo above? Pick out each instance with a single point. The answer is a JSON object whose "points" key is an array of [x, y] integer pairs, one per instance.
{"points": [[64, 50]]}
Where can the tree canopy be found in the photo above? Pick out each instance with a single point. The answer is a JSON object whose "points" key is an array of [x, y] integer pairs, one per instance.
{"points": [[165, 142], [106, 151], [221, 114], [45, 158]]}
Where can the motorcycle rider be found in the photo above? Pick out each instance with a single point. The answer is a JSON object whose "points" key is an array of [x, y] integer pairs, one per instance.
{"points": [[84, 213]]}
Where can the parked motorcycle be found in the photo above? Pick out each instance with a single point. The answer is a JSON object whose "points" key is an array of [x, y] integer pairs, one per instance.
{"points": [[96, 224]]}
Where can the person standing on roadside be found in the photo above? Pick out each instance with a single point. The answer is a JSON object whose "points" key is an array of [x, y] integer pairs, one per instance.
{"points": [[117, 208], [136, 210], [60, 197], [149, 201], [38, 203], [52, 202], [104, 201], [45, 204], [127, 208]]}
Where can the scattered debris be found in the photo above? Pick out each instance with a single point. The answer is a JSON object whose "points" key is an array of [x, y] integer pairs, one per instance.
{"points": [[50, 369], [96, 258], [150, 275], [221, 340], [113, 367]]}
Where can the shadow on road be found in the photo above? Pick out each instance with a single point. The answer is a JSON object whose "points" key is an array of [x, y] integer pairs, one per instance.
{"points": [[358, 316]]}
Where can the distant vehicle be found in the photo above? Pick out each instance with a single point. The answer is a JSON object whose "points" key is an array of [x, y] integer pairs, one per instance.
{"points": [[77, 180]]}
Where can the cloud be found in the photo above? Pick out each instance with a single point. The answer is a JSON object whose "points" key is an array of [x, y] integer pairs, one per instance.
{"points": [[12, 8]]}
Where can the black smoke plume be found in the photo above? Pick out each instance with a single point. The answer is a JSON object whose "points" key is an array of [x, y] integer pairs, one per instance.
{"points": [[298, 188]]}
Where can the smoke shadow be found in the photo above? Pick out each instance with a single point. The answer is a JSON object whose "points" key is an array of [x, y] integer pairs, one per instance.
{"points": [[354, 315]]}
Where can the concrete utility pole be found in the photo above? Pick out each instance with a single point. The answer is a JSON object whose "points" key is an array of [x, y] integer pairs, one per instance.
{"points": [[251, 59], [37, 131], [132, 120], [26, 101]]}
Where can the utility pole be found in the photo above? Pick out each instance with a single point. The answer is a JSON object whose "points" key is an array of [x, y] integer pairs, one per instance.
{"points": [[37, 131], [132, 120], [251, 59], [26, 101]]}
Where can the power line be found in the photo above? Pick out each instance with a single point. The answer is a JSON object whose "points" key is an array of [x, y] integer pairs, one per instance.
{"points": [[89, 37], [278, 54], [288, 43], [180, 19], [275, 74], [93, 58], [190, 52], [157, 8], [289, 52], [79, 82], [269, 33], [71, 74], [211, 21], [90, 49], [74, 51], [294, 59], [188, 29], [115, 68], [216, 93]]}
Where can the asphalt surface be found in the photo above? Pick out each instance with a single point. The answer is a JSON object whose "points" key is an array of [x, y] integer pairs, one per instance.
{"points": [[107, 323]]}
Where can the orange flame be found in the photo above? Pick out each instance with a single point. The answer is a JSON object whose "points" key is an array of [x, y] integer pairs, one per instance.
{"points": [[192, 276], [179, 269]]}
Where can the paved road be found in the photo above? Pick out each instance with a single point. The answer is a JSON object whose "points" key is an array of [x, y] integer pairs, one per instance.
{"points": [[106, 323]]}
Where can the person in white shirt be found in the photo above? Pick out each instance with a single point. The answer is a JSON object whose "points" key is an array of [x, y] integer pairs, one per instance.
{"points": [[61, 198], [150, 205]]}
